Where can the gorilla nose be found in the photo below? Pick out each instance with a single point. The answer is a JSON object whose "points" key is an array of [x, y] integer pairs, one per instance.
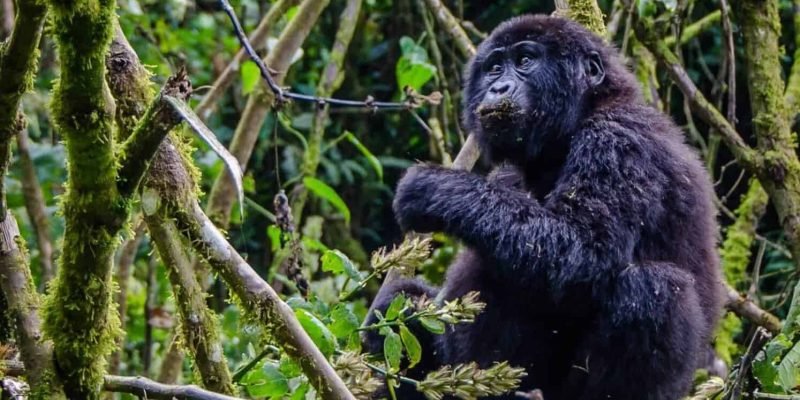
{"points": [[502, 88]]}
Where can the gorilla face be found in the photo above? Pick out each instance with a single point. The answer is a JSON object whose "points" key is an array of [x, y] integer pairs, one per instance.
{"points": [[525, 87]]}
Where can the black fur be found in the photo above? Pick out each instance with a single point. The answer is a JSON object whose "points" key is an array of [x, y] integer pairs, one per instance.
{"points": [[595, 245]]}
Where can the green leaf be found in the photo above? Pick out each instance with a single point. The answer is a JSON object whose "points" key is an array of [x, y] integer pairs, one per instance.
{"points": [[336, 262], [267, 381], [413, 348], [371, 159], [274, 235], [395, 306], [343, 321], [432, 325], [789, 369], [326, 192], [301, 391], [250, 76], [766, 363], [393, 350], [289, 368], [413, 68], [318, 332]]}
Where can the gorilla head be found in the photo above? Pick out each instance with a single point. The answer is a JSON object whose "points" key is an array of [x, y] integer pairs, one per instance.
{"points": [[533, 80]]}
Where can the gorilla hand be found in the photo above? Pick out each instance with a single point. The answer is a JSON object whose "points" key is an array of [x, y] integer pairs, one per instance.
{"points": [[414, 200]]}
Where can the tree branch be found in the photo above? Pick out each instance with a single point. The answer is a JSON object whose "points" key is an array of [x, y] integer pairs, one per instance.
{"points": [[229, 75], [148, 389], [159, 119], [198, 322], [745, 308], [696, 28], [36, 207], [792, 92], [453, 27], [23, 302], [131, 86], [259, 299], [18, 61], [700, 105], [221, 198]]}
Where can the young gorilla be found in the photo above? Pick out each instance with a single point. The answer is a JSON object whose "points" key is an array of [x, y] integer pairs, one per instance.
{"points": [[594, 242]]}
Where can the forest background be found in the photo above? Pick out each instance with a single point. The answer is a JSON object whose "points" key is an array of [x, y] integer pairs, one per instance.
{"points": [[133, 244]]}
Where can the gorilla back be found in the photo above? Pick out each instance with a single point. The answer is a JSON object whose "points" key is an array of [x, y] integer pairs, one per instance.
{"points": [[593, 242]]}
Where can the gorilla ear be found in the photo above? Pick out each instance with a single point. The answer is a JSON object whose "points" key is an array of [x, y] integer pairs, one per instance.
{"points": [[594, 68]]}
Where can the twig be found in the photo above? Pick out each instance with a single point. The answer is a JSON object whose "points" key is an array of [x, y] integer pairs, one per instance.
{"points": [[760, 337], [227, 77], [745, 308], [148, 389], [282, 94]]}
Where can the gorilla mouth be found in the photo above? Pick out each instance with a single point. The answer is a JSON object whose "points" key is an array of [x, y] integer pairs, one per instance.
{"points": [[498, 117]]}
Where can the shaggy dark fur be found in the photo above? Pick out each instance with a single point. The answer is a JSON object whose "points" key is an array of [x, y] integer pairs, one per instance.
{"points": [[594, 242]]}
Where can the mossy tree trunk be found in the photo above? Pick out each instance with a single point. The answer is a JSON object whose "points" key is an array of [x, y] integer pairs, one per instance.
{"points": [[78, 313]]}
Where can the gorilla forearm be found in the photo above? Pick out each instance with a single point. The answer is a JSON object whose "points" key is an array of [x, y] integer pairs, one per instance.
{"points": [[567, 239]]}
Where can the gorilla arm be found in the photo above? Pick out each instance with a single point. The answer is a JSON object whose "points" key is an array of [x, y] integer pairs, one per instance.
{"points": [[585, 230]]}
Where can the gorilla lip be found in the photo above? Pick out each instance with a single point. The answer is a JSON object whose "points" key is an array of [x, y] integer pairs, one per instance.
{"points": [[498, 117], [505, 109]]}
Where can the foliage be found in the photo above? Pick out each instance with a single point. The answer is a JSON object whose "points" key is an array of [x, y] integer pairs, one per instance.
{"points": [[347, 236]]}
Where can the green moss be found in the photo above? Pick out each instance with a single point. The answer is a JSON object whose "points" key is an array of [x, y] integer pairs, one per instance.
{"points": [[737, 247], [78, 312], [588, 13], [724, 344]]}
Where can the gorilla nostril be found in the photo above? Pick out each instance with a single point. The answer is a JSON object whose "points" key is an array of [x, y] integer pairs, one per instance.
{"points": [[501, 88]]}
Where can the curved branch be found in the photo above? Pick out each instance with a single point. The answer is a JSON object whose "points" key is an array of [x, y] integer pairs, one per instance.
{"points": [[227, 77], [148, 389]]}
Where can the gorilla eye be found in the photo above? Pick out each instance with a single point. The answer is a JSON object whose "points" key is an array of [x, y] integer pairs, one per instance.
{"points": [[495, 68], [524, 61]]}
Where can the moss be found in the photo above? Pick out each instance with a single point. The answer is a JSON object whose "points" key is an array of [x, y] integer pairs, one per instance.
{"points": [[78, 312], [737, 247], [588, 13]]}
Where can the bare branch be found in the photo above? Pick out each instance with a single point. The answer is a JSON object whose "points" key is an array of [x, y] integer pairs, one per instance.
{"points": [[148, 389], [745, 308], [36, 207], [229, 75], [282, 95]]}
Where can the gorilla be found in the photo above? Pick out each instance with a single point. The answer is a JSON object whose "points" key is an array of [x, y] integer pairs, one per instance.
{"points": [[592, 242]]}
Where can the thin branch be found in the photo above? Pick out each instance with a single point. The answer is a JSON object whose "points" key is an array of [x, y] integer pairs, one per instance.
{"points": [[730, 51], [229, 75], [258, 298], [701, 106], [220, 199], [127, 255], [18, 61], [147, 389], [36, 208], [453, 27], [749, 310], [198, 323], [760, 338], [696, 28], [281, 94]]}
